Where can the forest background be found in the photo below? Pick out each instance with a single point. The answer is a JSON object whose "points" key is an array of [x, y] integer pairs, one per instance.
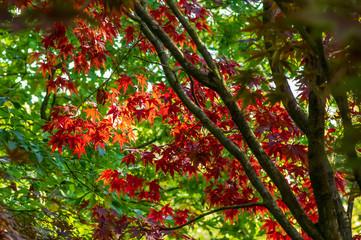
{"points": [[170, 119]]}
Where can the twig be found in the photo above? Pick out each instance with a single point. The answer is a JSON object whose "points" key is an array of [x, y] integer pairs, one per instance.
{"points": [[72, 173], [111, 75], [246, 205], [149, 61], [44, 105], [193, 92], [351, 202], [148, 142]]}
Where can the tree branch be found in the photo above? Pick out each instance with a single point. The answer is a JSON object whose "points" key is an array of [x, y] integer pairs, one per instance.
{"points": [[246, 205], [218, 84], [335, 224], [299, 117], [143, 145], [350, 142], [193, 92], [157, 30], [267, 164], [222, 138], [311, 36], [81, 182], [111, 75], [193, 34], [320, 171], [350, 203], [44, 106]]}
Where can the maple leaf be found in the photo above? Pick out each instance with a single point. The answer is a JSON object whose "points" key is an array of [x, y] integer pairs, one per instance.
{"points": [[45, 68], [117, 184], [179, 220], [34, 56], [129, 33], [231, 215], [154, 189], [167, 210], [51, 86], [156, 216], [106, 176], [102, 96], [99, 212], [130, 158], [79, 148], [142, 81], [270, 226], [340, 181], [120, 139], [104, 230], [92, 113], [18, 155], [72, 87], [134, 183]]}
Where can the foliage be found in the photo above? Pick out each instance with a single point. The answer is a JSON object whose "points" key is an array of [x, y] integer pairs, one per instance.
{"points": [[176, 120]]}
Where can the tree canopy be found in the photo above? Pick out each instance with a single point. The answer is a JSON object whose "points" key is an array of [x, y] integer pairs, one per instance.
{"points": [[222, 119]]}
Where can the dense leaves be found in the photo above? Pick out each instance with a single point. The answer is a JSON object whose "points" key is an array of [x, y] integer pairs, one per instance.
{"points": [[179, 119]]}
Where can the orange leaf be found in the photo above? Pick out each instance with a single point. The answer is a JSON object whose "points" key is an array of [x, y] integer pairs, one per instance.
{"points": [[92, 113], [142, 81]]}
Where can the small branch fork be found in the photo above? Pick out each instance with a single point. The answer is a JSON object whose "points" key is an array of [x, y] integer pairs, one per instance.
{"points": [[246, 205]]}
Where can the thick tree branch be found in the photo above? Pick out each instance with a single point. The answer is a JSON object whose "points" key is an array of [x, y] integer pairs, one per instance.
{"points": [[265, 161], [321, 173], [157, 30], [299, 117], [216, 83], [246, 205], [350, 142], [193, 34], [267, 164], [332, 214], [222, 138], [311, 36]]}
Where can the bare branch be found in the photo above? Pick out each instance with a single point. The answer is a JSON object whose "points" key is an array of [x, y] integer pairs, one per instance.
{"points": [[143, 145], [246, 205]]}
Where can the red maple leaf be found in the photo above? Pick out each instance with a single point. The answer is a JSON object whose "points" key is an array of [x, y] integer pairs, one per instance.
{"points": [[156, 216]]}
